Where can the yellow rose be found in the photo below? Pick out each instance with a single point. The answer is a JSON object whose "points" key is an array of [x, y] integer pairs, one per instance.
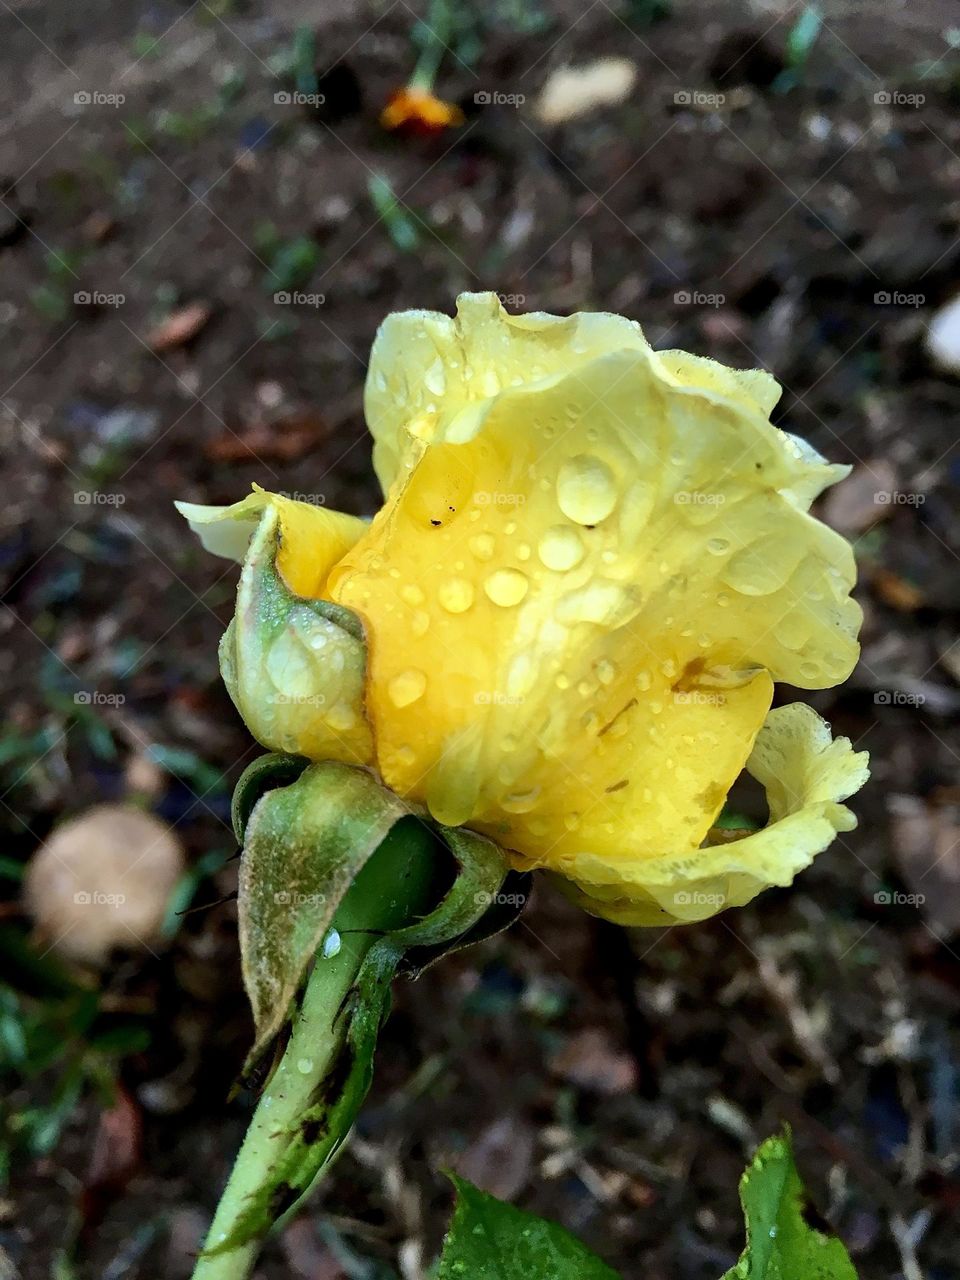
{"points": [[592, 563]]}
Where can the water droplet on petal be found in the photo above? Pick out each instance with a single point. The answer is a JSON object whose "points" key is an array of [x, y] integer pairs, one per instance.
{"points": [[406, 687], [456, 596], [411, 594], [560, 548], [506, 587], [482, 545], [331, 944], [586, 489]]}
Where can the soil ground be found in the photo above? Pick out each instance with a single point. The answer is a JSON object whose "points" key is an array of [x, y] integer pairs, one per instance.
{"points": [[802, 214]]}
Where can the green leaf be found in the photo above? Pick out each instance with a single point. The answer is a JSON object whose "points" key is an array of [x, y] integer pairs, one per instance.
{"points": [[490, 1240], [781, 1243], [304, 845]]}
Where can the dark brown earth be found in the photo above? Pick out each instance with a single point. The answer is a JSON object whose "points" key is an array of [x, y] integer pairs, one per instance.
{"points": [[615, 1081]]}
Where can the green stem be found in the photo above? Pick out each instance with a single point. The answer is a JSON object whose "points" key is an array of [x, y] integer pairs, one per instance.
{"points": [[391, 890]]}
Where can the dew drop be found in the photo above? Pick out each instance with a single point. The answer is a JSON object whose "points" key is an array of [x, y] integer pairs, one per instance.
{"points": [[435, 379], [341, 717], [482, 545], [420, 623], [717, 546], [643, 681], [606, 671], [506, 587], [456, 596], [411, 594], [586, 489], [560, 548], [406, 687], [304, 1066], [331, 944]]}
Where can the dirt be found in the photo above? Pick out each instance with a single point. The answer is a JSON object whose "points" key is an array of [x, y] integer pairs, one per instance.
{"points": [[763, 229]]}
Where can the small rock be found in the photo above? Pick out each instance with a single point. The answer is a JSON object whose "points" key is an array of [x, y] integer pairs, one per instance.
{"points": [[571, 92], [103, 880], [943, 337]]}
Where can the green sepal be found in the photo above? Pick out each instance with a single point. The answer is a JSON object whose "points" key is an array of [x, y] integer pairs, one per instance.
{"points": [[303, 846], [263, 774], [300, 1151]]}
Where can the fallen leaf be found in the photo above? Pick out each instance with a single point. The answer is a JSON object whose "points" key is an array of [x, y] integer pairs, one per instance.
{"points": [[283, 440], [180, 327], [592, 1061], [114, 1156], [896, 591], [862, 499], [571, 92], [499, 1159], [927, 854]]}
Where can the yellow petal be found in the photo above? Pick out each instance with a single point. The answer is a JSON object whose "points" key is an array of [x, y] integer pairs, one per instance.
{"points": [[806, 773], [574, 594], [312, 539], [426, 367]]}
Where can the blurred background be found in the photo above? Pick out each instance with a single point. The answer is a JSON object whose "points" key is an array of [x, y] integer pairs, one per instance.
{"points": [[203, 220]]}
